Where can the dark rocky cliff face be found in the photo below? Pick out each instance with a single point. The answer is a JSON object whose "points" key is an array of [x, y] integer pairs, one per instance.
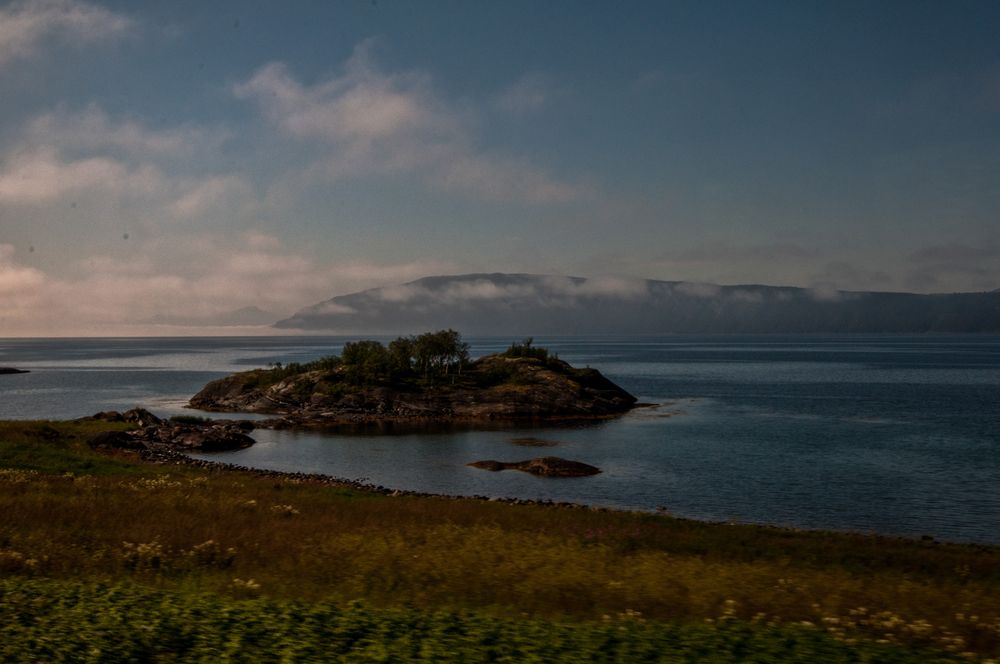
{"points": [[492, 387]]}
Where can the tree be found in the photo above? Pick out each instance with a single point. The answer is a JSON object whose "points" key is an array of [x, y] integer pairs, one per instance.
{"points": [[439, 353], [366, 362]]}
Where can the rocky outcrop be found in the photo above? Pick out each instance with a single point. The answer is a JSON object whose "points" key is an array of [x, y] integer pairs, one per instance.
{"points": [[157, 434], [543, 466], [491, 388], [139, 416]]}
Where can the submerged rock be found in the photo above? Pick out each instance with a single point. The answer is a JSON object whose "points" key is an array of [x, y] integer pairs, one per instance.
{"points": [[543, 466], [531, 441]]}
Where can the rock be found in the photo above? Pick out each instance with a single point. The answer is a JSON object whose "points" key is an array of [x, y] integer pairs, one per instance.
{"points": [[103, 416], [142, 417], [531, 441], [210, 439], [116, 440], [12, 370], [491, 465], [159, 434], [556, 467], [543, 466]]}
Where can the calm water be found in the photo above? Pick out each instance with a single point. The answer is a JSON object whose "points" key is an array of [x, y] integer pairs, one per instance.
{"points": [[893, 434]]}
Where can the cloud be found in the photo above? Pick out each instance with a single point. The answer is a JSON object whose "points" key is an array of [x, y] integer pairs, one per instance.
{"points": [[15, 279], [747, 296], [625, 287], [169, 279], [124, 169], [370, 122], [368, 272], [555, 291], [219, 195], [93, 130], [41, 175], [332, 308], [528, 94], [26, 25], [694, 289], [825, 292]]}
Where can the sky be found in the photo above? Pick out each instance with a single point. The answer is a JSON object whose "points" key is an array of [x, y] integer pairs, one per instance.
{"points": [[173, 161]]}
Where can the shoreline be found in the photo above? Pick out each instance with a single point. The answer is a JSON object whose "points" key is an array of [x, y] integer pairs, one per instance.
{"points": [[165, 456]]}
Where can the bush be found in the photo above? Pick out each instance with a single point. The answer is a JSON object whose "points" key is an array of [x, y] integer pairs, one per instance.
{"points": [[525, 349]]}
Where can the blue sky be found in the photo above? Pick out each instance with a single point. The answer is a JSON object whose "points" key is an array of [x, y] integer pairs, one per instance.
{"points": [[189, 158]]}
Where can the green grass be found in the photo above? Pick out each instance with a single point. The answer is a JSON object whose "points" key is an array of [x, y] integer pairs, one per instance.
{"points": [[60, 447], [76, 522], [70, 621]]}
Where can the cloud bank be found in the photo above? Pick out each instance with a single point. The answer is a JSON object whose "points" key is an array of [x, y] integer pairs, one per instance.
{"points": [[375, 123], [26, 25], [185, 278]]}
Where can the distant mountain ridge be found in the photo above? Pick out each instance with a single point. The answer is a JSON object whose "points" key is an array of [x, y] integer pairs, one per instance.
{"points": [[521, 304]]}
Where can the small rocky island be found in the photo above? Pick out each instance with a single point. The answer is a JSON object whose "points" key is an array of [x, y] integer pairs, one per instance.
{"points": [[425, 378]]}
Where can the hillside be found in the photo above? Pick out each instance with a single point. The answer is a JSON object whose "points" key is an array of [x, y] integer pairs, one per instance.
{"points": [[492, 304]]}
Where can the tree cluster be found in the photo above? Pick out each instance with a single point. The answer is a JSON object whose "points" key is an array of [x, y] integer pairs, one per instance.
{"points": [[430, 356]]}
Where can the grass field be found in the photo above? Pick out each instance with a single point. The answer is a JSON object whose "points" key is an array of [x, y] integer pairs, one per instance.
{"points": [[113, 559]]}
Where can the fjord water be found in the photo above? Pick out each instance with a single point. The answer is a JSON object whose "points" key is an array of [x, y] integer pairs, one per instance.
{"points": [[890, 434]]}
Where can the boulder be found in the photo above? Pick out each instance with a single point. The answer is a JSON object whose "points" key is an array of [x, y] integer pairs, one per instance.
{"points": [[210, 439], [142, 417]]}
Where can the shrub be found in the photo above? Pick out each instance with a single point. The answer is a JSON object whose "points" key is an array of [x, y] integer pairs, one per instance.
{"points": [[525, 349]]}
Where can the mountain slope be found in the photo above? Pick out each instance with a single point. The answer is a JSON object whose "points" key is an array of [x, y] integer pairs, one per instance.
{"points": [[519, 304]]}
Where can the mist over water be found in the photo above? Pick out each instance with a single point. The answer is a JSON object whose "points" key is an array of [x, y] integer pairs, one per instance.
{"points": [[892, 434]]}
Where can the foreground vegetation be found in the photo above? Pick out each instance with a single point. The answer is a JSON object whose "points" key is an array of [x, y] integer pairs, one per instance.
{"points": [[112, 559]]}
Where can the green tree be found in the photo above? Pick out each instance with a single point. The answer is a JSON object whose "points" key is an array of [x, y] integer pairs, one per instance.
{"points": [[366, 362], [401, 351], [440, 353]]}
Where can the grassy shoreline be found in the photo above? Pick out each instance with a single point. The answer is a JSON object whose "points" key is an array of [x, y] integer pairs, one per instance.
{"points": [[72, 517]]}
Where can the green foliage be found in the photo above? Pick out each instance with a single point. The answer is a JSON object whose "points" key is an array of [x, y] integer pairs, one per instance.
{"points": [[277, 371], [86, 622], [525, 349], [437, 354], [296, 546], [401, 353], [431, 356], [366, 362], [57, 447]]}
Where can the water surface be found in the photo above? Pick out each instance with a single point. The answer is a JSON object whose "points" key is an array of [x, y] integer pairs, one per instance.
{"points": [[891, 434]]}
